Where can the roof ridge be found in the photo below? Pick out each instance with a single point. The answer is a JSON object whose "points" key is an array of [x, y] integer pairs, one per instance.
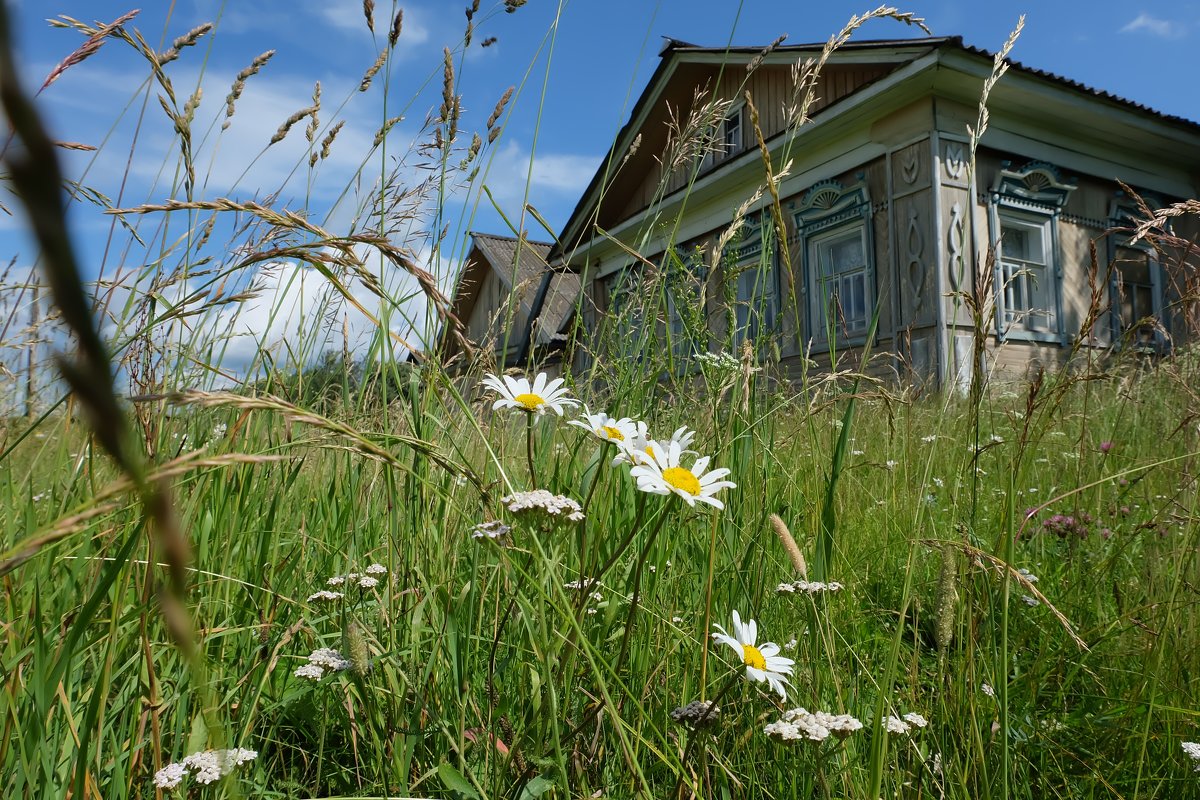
{"points": [[527, 240]]}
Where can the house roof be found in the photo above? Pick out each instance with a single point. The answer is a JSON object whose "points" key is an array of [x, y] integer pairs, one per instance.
{"points": [[899, 51], [531, 261]]}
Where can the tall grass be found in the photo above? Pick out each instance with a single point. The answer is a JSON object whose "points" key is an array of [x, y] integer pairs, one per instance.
{"points": [[1018, 567]]}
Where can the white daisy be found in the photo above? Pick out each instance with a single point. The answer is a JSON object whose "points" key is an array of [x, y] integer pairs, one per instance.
{"points": [[532, 398], [606, 428], [636, 449], [662, 474], [763, 664]]}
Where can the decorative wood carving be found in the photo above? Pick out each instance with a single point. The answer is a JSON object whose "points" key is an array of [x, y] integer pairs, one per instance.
{"points": [[954, 245], [910, 165], [955, 160], [914, 250]]}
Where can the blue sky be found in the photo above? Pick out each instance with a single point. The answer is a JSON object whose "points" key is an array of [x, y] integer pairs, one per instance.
{"points": [[579, 65]]}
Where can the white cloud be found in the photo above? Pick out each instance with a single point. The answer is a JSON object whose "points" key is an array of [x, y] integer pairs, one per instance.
{"points": [[555, 176], [1165, 29]]}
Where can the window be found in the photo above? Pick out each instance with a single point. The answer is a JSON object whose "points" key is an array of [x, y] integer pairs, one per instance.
{"points": [[833, 230], [686, 319], [726, 138], [1026, 273], [839, 271], [757, 297], [627, 309], [1024, 206], [1135, 282]]}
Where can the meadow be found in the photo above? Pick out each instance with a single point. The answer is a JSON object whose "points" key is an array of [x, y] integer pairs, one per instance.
{"points": [[386, 583]]}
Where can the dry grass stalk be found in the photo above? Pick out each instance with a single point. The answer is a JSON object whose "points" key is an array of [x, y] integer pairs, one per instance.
{"points": [[384, 129], [239, 84], [373, 70], [327, 142], [727, 235], [806, 72], [287, 125], [369, 13], [493, 131], [1011, 572], [89, 47], [397, 26], [314, 122], [757, 61], [187, 40], [789, 545], [946, 612], [489, 41], [999, 67], [448, 113]]}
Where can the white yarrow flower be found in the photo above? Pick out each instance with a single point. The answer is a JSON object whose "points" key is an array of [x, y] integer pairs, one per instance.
{"points": [[662, 474], [915, 719], [310, 671], [895, 725], [553, 505], [170, 776], [325, 596], [763, 664], [535, 398], [376, 570], [1192, 750]]}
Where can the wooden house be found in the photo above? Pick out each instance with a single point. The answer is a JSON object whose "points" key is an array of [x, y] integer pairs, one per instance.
{"points": [[885, 223], [502, 280]]}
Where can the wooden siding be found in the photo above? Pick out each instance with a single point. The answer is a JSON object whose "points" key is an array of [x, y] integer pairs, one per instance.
{"points": [[771, 89]]}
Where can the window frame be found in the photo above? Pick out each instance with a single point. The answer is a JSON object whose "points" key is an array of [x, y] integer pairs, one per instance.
{"points": [[1123, 217], [757, 301], [1025, 277], [720, 150], [1034, 194], [819, 299], [828, 211]]}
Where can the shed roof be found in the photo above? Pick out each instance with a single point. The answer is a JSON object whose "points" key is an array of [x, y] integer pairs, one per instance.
{"points": [[530, 259]]}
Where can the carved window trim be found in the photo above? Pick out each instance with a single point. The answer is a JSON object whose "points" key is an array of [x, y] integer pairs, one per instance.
{"points": [[830, 211], [1123, 217], [1032, 196]]}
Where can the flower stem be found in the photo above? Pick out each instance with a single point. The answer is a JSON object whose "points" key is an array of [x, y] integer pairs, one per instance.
{"points": [[624, 545], [529, 449], [637, 586], [699, 723]]}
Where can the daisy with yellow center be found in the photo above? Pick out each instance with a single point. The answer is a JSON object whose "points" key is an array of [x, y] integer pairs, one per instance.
{"points": [[606, 428], [636, 448], [660, 472], [763, 662], [535, 398]]}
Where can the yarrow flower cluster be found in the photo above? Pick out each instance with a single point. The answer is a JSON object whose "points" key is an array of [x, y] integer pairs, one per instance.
{"points": [[544, 502], [367, 579], [320, 661], [1192, 750], [207, 766], [808, 587], [763, 663], [722, 362], [894, 724], [491, 530], [325, 596], [800, 725], [697, 714]]}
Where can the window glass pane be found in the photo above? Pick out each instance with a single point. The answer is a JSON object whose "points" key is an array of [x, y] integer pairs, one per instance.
{"points": [[1022, 241], [846, 254]]}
